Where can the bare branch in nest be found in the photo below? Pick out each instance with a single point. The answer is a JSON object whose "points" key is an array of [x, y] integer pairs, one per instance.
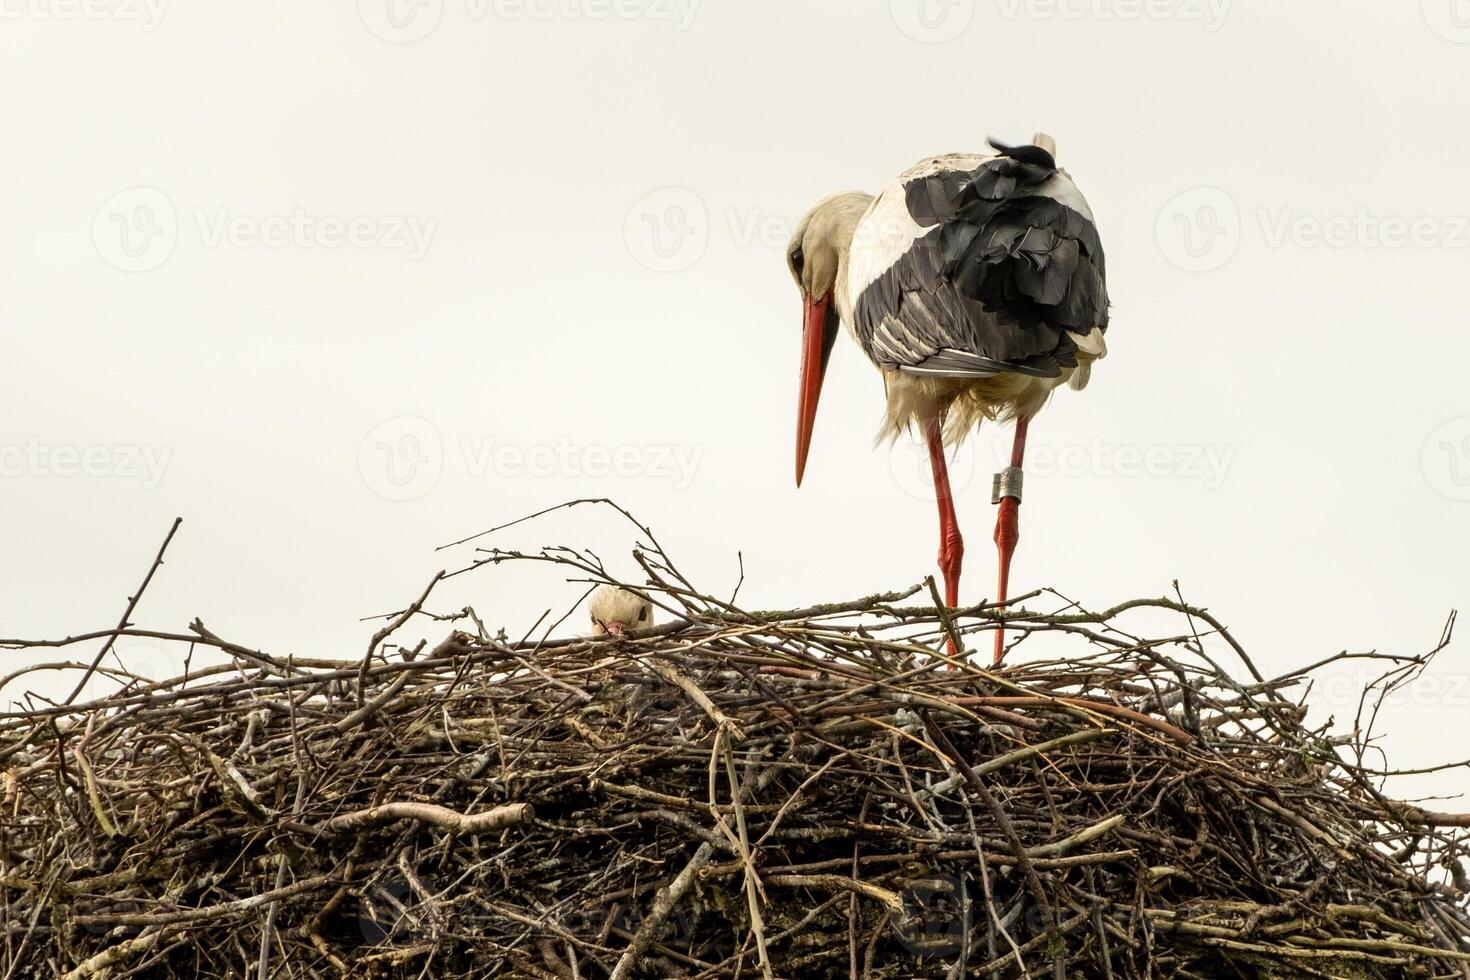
{"points": [[459, 823]]}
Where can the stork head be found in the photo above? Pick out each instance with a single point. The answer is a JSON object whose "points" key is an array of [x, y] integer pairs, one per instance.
{"points": [[818, 256], [617, 611]]}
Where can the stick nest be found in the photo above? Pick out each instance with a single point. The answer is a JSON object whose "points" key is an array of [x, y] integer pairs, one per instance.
{"points": [[801, 794]]}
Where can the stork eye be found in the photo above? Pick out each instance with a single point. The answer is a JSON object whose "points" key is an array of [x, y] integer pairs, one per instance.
{"points": [[643, 615], [798, 260]]}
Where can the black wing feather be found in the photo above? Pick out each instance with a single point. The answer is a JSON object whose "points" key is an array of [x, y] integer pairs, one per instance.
{"points": [[1002, 279]]}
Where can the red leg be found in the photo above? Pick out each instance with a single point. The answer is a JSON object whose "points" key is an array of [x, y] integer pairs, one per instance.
{"points": [[951, 545], [1008, 524]]}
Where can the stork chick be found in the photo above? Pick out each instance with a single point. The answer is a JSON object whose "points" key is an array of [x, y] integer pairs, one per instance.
{"points": [[617, 611]]}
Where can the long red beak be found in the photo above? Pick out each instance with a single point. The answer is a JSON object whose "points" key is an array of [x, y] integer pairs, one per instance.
{"points": [[818, 333]]}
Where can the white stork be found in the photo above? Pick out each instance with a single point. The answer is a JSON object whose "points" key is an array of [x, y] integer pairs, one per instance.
{"points": [[617, 611], [976, 284]]}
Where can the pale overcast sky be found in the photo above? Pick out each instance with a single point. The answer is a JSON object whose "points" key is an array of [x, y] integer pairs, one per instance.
{"points": [[339, 282]]}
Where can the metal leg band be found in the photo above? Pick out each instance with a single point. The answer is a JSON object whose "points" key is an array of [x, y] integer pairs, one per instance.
{"points": [[1007, 483]]}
